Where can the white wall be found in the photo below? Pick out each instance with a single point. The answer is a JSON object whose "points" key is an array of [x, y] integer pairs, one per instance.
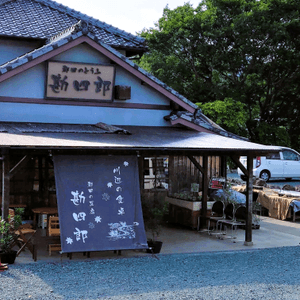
{"points": [[11, 48], [29, 84], [32, 83], [21, 112]]}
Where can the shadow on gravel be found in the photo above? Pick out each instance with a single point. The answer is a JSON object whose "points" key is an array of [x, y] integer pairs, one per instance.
{"points": [[124, 277]]}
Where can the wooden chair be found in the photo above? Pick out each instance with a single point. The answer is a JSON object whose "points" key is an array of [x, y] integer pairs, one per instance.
{"points": [[24, 235], [54, 230]]}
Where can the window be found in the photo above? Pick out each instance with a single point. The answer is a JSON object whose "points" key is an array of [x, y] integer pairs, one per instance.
{"points": [[155, 170], [273, 156], [289, 155]]}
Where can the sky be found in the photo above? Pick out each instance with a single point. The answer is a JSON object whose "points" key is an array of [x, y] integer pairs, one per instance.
{"points": [[129, 15]]}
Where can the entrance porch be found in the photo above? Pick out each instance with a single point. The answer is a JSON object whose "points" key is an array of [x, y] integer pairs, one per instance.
{"points": [[178, 239]]}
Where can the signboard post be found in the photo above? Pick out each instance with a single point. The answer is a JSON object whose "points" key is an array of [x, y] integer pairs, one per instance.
{"points": [[99, 203]]}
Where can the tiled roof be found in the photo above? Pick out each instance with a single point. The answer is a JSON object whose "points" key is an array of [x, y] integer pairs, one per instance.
{"points": [[42, 19], [73, 33], [198, 118], [99, 128]]}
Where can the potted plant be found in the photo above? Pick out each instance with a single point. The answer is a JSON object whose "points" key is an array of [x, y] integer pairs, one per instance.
{"points": [[8, 236], [154, 211]]}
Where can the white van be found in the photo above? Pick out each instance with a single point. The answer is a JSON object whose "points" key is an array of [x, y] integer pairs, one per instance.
{"points": [[284, 164]]}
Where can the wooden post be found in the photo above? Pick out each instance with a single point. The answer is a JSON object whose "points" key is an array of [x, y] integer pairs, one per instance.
{"points": [[223, 168], [204, 191], [204, 170], [46, 182], [249, 201], [5, 184], [141, 171], [41, 181]]}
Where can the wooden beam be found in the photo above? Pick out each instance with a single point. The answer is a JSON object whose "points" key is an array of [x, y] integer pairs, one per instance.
{"points": [[223, 168], [196, 164], [5, 184], [204, 192], [41, 180], [191, 125], [204, 171], [21, 164], [141, 171], [249, 202], [239, 164], [84, 103], [46, 181]]}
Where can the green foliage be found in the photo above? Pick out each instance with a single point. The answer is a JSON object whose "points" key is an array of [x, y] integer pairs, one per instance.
{"points": [[228, 113], [244, 53], [8, 228]]}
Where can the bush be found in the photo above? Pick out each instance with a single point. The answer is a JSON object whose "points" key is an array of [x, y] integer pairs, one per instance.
{"points": [[154, 210], [8, 229]]}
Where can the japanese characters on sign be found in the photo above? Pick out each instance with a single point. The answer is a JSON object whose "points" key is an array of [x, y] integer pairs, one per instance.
{"points": [[82, 215], [80, 81], [99, 208]]}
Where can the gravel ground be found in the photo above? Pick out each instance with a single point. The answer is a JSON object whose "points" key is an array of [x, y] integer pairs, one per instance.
{"points": [[256, 274]]}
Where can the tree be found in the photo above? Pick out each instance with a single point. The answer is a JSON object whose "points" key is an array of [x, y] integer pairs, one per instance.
{"points": [[221, 112], [242, 53]]}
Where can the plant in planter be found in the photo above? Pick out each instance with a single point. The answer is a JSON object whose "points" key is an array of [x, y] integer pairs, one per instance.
{"points": [[154, 211], [188, 196], [8, 236]]}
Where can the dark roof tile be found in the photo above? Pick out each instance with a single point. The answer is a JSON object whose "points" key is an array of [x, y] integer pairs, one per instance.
{"points": [[198, 118], [42, 19]]}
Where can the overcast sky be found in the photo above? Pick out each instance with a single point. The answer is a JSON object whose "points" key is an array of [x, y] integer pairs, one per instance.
{"points": [[129, 15]]}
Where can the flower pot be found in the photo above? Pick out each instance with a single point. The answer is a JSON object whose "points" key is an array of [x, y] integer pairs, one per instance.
{"points": [[155, 246], [8, 258]]}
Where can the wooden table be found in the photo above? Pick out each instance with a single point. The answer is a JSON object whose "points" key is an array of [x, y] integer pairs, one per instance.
{"points": [[43, 211], [277, 204], [17, 205], [276, 201]]}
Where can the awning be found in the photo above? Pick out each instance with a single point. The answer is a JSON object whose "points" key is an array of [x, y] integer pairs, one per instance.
{"points": [[141, 138]]}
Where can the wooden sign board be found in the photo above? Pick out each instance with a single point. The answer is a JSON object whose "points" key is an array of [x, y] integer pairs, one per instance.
{"points": [[66, 80]]}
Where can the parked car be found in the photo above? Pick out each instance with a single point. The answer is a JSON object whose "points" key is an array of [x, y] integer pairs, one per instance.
{"points": [[284, 164]]}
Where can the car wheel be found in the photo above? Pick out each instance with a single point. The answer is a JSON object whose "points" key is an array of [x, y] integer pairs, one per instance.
{"points": [[265, 175]]}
